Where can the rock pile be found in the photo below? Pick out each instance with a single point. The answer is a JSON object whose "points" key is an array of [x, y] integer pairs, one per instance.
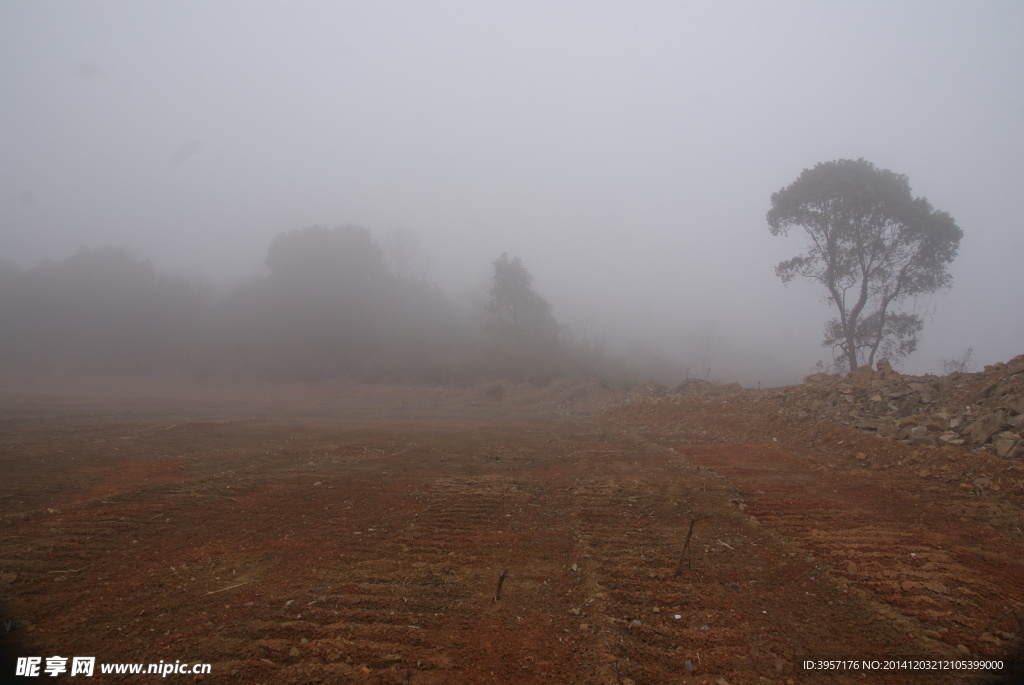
{"points": [[979, 411]]}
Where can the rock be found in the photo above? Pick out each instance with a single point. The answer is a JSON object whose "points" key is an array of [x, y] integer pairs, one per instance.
{"points": [[982, 430], [920, 435], [861, 375], [886, 430], [860, 456], [1007, 447], [885, 368], [851, 568]]}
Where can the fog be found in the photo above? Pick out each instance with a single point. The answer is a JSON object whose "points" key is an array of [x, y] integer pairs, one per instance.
{"points": [[625, 152]]}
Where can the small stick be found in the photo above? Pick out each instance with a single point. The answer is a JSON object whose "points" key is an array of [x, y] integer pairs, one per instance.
{"points": [[70, 570], [501, 581], [229, 587], [726, 544], [686, 546]]}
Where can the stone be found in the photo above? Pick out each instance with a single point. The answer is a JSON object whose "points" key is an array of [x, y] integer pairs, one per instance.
{"points": [[982, 430], [886, 430], [920, 435], [1006, 447], [861, 375]]}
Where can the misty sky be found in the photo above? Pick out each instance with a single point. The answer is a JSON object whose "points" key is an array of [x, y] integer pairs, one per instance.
{"points": [[626, 151]]}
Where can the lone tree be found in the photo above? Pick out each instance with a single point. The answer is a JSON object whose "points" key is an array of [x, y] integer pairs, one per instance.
{"points": [[524, 333], [873, 246]]}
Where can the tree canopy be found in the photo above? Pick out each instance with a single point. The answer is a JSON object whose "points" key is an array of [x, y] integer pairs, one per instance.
{"points": [[334, 302], [873, 246], [522, 328]]}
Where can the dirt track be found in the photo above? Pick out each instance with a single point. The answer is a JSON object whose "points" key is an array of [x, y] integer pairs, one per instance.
{"points": [[346, 534]]}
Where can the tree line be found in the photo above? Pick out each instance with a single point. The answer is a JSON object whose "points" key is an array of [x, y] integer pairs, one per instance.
{"points": [[334, 302]]}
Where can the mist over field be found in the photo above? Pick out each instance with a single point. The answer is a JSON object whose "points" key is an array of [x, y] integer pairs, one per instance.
{"points": [[309, 190]]}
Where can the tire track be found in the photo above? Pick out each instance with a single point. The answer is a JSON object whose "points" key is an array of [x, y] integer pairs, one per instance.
{"points": [[888, 541]]}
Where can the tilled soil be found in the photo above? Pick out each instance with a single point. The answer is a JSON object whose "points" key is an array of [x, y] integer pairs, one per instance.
{"points": [[304, 534]]}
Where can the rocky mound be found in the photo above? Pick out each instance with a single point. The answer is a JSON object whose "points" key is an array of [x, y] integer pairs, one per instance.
{"points": [[975, 411], [983, 410]]}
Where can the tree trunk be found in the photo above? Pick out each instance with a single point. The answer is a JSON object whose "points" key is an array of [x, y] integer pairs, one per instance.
{"points": [[851, 348]]}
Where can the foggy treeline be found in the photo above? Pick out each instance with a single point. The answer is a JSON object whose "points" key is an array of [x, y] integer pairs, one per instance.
{"points": [[335, 302]]}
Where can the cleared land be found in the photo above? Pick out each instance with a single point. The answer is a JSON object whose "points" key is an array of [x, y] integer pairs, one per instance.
{"points": [[334, 533]]}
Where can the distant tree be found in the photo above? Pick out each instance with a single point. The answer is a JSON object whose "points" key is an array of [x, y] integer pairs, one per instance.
{"points": [[101, 310], [517, 313], [522, 328], [961, 364], [315, 255], [404, 255], [873, 246], [331, 306], [320, 313]]}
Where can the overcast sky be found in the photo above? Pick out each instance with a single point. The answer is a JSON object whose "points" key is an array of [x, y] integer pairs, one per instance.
{"points": [[626, 151]]}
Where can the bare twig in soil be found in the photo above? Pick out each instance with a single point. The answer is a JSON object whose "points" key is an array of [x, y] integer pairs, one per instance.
{"points": [[686, 546], [618, 676], [501, 581], [71, 570], [1006, 613], [229, 587]]}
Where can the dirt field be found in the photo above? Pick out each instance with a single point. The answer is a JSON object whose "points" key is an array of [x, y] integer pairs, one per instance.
{"points": [[333, 533]]}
